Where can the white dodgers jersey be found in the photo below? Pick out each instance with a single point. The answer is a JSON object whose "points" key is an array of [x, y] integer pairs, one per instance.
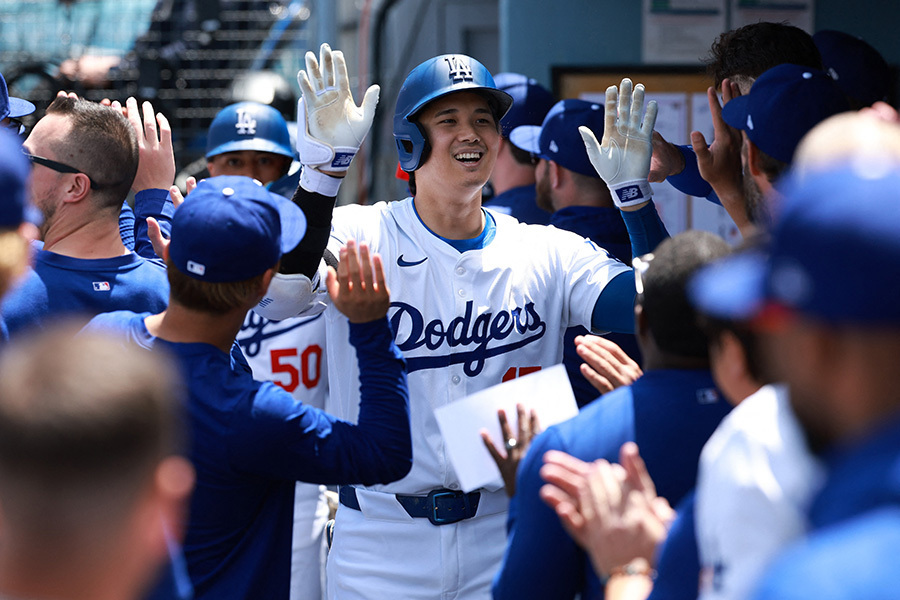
{"points": [[464, 321]]}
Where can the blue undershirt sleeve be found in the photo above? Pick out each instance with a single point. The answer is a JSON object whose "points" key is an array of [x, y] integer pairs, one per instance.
{"points": [[614, 309], [126, 225], [154, 203], [645, 229], [290, 440], [384, 400], [689, 180]]}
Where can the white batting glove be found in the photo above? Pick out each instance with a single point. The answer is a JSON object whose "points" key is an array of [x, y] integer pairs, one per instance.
{"points": [[623, 158], [330, 126]]}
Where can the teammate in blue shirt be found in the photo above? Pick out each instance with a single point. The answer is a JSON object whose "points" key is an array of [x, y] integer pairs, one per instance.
{"points": [[513, 177], [251, 441], [670, 412], [85, 158]]}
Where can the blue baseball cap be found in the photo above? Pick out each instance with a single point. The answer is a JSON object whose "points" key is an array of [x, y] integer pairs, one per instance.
{"points": [[558, 139], [531, 101], [248, 126], [834, 254], [783, 104], [14, 171], [857, 68], [12, 107], [230, 228]]}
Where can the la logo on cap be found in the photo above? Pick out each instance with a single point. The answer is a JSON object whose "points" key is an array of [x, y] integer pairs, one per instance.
{"points": [[460, 70], [246, 124]]}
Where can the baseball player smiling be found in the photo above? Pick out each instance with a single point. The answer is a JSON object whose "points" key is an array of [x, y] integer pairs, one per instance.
{"points": [[477, 298]]}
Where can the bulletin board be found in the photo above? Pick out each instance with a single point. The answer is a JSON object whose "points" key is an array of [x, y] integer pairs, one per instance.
{"points": [[681, 93], [572, 82]]}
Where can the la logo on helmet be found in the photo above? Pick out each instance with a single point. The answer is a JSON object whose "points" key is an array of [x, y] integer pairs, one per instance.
{"points": [[460, 70], [246, 124]]}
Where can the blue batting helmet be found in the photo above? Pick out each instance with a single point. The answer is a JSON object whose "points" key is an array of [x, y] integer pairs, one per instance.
{"points": [[248, 126], [429, 81]]}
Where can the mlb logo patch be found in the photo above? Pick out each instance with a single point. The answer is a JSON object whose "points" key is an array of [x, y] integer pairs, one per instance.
{"points": [[707, 396], [101, 286], [196, 268]]}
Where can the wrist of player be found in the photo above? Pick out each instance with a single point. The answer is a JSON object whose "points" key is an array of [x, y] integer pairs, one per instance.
{"points": [[318, 182], [638, 567], [331, 150], [630, 193]]}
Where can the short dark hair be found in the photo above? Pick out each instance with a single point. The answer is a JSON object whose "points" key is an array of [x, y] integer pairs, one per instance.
{"points": [[208, 297], [753, 49], [523, 157], [102, 144], [84, 421], [670, 316], [714, 328]]}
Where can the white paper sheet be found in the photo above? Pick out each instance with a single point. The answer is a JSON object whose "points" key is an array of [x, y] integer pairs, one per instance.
{"points": [[680, 31], [547, 391]]}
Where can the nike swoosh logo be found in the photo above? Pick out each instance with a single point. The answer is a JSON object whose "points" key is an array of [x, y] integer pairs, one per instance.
{"points": [[406, 263]]}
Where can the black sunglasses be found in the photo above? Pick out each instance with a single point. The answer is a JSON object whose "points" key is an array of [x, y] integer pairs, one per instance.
{"points": [[58, 167]]}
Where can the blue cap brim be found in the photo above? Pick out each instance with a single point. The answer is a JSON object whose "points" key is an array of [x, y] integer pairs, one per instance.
{"points": [[732, 288], [526, 137], [293, 223], [256, 144], [735, 112], [19, 108]]}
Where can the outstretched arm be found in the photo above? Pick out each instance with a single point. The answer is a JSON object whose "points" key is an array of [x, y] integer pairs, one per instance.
{"points": [[623, 161], [331, 128], [378, 447]]}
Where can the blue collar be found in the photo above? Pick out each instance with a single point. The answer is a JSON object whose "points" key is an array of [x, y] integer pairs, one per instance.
{"points": [[476, 243]]}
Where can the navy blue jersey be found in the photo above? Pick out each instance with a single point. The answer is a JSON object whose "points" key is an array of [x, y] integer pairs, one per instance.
{"points": [[669, 413], [60, 286], [251, 441], [678, 558]]}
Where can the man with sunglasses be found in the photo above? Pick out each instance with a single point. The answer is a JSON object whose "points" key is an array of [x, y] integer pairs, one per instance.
{"points": [[84, 160]]}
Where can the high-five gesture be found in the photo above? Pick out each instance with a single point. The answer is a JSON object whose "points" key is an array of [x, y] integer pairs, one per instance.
{"points": [[331, 127], [623, 158], [357, 287]]}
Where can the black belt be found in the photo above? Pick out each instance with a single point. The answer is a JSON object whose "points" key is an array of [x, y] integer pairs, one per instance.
{"points": [[441, 506]]}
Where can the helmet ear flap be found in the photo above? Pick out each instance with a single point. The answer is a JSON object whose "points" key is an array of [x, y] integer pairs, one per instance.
{"points": [[412, 146]]}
